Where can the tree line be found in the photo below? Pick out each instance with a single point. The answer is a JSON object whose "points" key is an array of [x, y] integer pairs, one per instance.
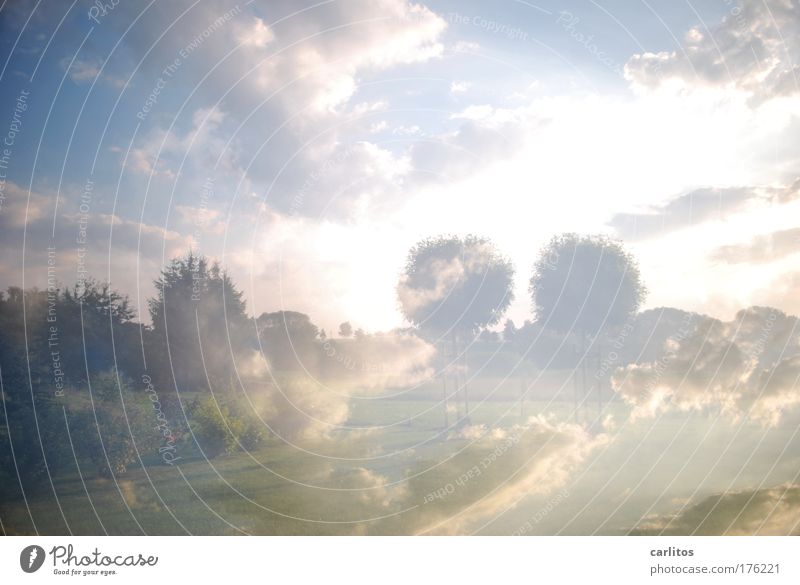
{"points": [[84, 383]]}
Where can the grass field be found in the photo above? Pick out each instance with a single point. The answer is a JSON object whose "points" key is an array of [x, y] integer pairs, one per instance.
{"points": [[357, 482]]}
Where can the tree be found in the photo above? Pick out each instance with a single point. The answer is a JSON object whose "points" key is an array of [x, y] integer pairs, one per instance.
{"points": [[345, 329], [213, 427], [196, 304], [68, 336], [222, 427], [95, 330], [583, 285], [289, 340], [509, 331], [454, 287], [490, 336]]}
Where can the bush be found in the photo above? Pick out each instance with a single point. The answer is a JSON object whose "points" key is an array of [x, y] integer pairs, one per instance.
{"points": [[249, 428], [113, 425], [211, 426], [220, 429]]}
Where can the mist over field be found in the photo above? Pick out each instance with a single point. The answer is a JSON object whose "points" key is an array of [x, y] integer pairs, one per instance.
{"points": [[366, 268]]}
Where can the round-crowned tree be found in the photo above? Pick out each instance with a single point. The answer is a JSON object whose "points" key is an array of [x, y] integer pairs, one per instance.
{"points": [[455, 286], [452, 288], [585, 284]]}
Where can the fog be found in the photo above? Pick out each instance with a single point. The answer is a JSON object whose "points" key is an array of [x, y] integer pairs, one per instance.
{"points": [[615, 421]]}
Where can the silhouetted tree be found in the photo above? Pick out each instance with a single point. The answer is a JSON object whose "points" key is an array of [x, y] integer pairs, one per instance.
{"points": [[345, 329], [454, 287], [198, 323], [509, 331], [51, 343], [289, 340], [582, 285]]}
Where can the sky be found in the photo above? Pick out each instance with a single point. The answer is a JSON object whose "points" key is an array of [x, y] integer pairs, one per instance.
{"points": [[309, 145]]}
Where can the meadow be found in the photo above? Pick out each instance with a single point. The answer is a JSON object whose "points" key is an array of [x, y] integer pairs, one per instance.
{"points": [[642, 470]]}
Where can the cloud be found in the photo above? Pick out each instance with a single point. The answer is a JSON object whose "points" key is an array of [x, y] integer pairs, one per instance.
{"points": [[765, 512], [782, 291], [105, 246], [454, 283], [83, 71], [376, 127], [753, 50], [762, 248], [441, 276], [454, 156], [290, 98], [298, 408], [287, 82], [684, 211], [748, 367], [20, 206], [496, 472], [199, 216], [377, 362], [698, 207], [352, 181], [255, 33], [371, 489], [161, 151]]}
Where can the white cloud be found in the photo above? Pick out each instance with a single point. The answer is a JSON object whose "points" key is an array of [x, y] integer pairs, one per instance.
{"points": [[749, 367], [754, 50], [376, 127], [256, 34], [82, 71], [535, 458], [377, 362]]}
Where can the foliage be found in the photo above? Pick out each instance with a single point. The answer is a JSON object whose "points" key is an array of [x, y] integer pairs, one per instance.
{"points": [[585, 284], [198, 324], [452, 284], [289, 341], [220, 428], [114, 425]]}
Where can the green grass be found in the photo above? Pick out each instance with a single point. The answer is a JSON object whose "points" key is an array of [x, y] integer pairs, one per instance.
{"points": [[277, 489]]}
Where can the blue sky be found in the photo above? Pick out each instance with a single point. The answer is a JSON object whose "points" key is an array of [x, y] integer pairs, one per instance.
{"points": [[309, 145]]}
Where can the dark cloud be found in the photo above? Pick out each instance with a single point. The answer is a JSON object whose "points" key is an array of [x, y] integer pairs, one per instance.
{"points": [[696, 207], [683, 211]]}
